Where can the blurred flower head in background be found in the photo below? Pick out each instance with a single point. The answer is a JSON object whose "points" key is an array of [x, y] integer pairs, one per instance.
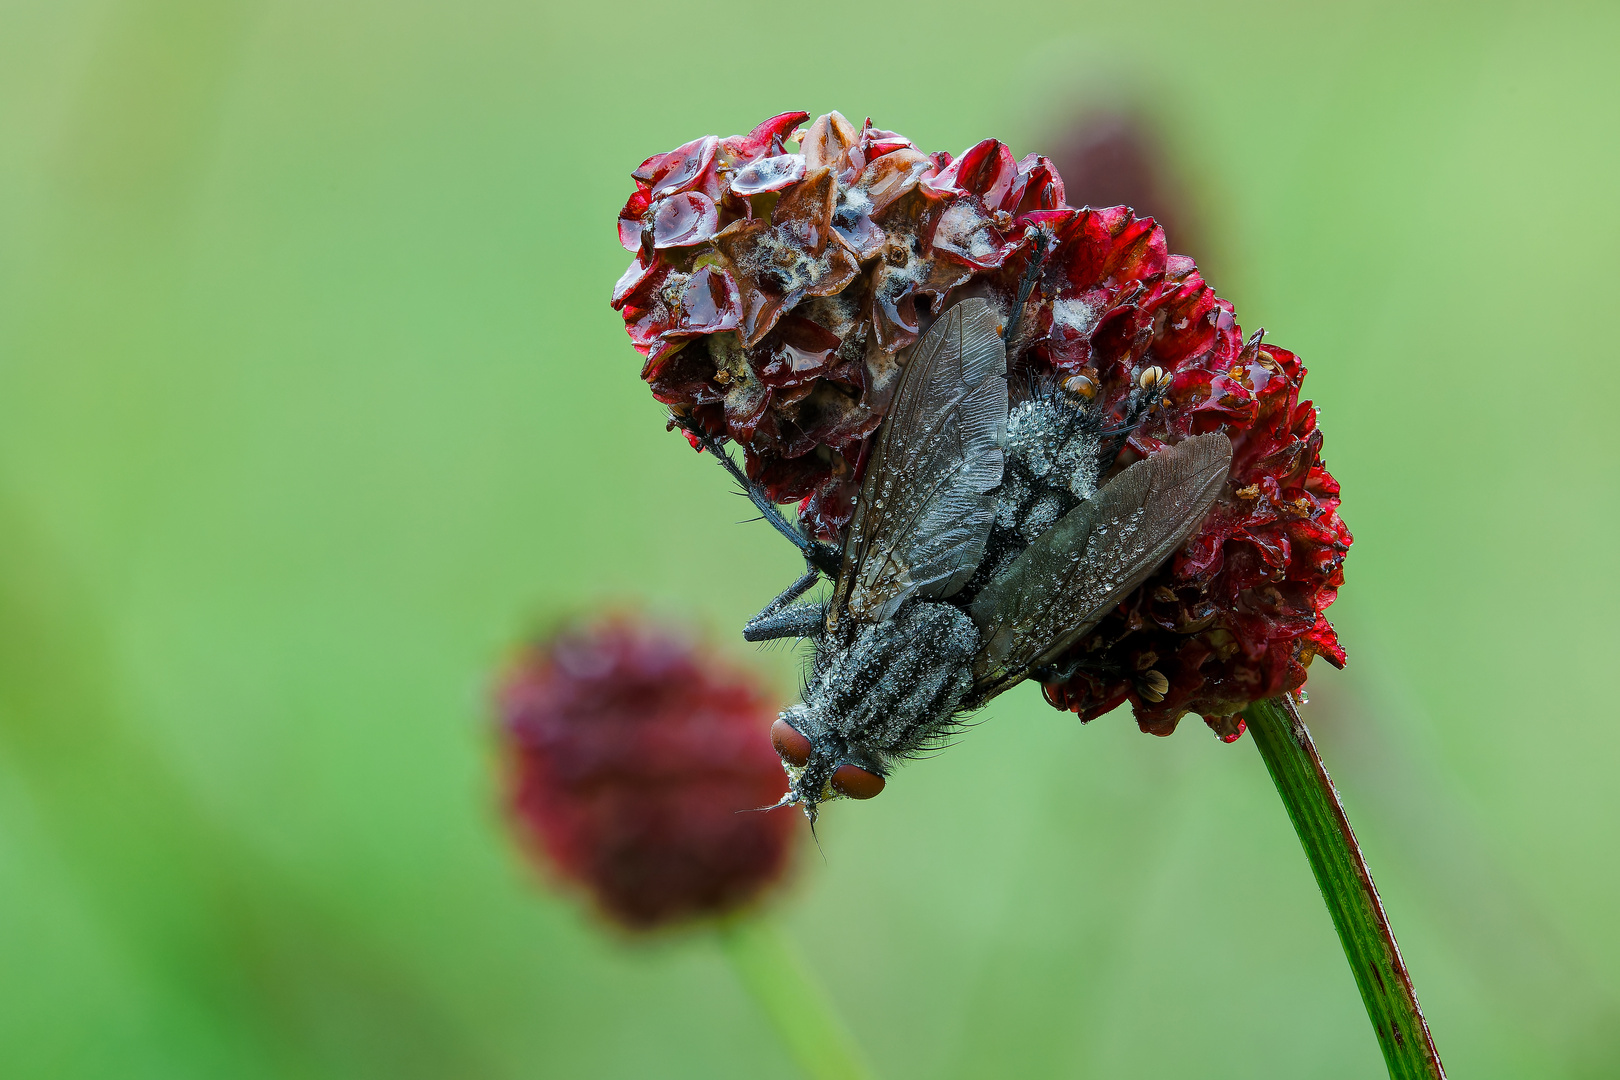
{"points": [[632, 753], [774, 293], [1115, 157]]}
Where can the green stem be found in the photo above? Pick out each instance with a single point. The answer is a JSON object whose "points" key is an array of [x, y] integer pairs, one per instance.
{"points": [[770, 966], [1347, 886]]}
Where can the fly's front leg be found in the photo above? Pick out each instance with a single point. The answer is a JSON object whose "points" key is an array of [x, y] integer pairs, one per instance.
{"points": [[782, 618], [1032, 274], [1062, 670], [1056, 672], [821, 556]]}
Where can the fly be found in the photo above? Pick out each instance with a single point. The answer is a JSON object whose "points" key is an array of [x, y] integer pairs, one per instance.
{"points": [[985, 542]]}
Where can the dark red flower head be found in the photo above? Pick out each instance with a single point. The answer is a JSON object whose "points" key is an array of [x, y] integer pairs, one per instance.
{"points": [[631, 753], [774, 294]]}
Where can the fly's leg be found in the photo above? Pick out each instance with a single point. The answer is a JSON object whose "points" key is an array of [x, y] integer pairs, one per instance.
{"points": [[782, 618], [798, 621], [821, 556], [1056, 672], [1142, 401], [1031, 275], [1065, 668]]}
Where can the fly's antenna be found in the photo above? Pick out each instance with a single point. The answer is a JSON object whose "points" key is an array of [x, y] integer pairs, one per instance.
{"points": [[817, 554], [788, 799]]}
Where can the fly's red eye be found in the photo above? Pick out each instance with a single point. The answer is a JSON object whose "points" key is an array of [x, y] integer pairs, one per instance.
{"points": [[790, 743], [854, 782]]}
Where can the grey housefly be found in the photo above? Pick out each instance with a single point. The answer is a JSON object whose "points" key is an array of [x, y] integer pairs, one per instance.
{"points": [[987, 538]]}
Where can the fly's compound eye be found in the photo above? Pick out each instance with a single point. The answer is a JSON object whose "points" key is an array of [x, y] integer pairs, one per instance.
{"points": [[790, 743], [854, 782]]}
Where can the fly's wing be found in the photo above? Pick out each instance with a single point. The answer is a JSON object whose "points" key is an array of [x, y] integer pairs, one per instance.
{"points": [[1062, 585], [925, 507]]}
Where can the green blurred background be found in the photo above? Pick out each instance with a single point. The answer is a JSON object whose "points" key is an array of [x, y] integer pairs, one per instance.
{"points": [[311, 405]]}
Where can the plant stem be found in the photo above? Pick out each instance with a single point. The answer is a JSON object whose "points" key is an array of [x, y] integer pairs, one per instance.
{"points": [[1347, 886], [770, 966]]}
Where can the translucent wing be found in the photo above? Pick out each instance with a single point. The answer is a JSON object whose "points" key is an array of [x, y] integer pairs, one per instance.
{"points": [[1062, 585], [925, 507]]}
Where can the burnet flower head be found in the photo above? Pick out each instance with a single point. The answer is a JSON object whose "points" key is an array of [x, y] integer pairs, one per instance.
{"points": [[633, 754], [775, 291]]}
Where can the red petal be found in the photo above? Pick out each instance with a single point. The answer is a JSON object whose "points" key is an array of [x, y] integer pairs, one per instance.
{"points": [[768, 174], [767, 138], [684, 219], [1042, 186], [745, 408], [875, 142], [630, 223], [633, 276], [987, 170], [683, 167], [710, 303], [796, 351]]}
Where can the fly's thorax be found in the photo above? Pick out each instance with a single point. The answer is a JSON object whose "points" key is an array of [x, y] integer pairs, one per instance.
{"points": [[1053, 444], [895, 683], [1052, 450]]}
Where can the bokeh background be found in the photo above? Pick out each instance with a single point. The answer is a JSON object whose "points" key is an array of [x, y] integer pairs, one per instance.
{"points": [[311, 406]]}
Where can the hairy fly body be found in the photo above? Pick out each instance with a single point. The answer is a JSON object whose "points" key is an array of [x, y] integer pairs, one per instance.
{"points": [[988, 537]]}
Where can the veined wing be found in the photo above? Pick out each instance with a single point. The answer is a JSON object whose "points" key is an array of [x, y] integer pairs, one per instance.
{"points": [[1062, 585], [925, 507]]}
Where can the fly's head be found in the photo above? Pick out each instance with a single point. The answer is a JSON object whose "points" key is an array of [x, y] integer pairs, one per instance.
{"points": [[820, 765]]}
